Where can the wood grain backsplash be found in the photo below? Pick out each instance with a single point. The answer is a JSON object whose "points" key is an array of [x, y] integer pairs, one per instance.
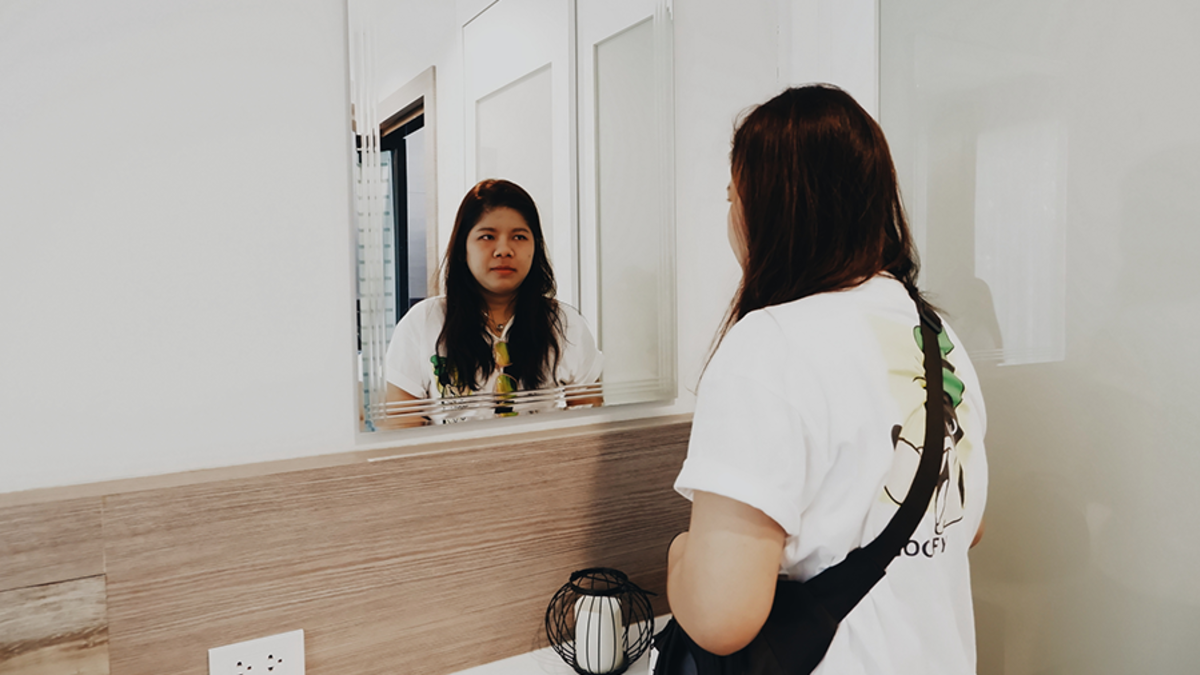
{"points": [[45, 543], [54, 629], [420, 564]]}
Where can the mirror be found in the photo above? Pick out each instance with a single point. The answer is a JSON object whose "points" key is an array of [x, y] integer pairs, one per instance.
{"points": [[571, 101]]}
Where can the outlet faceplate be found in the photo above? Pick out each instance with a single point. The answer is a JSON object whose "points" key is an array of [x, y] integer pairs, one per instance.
{"points": [[281, 654]]}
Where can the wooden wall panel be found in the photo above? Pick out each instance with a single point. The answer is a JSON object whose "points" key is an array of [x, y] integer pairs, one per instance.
{"points": [[420, 564], [53, 629], [48, 542]]}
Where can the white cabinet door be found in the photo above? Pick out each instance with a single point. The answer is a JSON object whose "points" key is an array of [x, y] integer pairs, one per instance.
{"points": [[625, 250], [519, 115]]}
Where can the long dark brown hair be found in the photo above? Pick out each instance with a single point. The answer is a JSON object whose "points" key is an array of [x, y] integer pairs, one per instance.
{"points": [[533, 343], [820, 201]]}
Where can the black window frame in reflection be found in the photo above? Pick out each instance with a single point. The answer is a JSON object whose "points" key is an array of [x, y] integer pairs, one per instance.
{"points": [[395, 142]]}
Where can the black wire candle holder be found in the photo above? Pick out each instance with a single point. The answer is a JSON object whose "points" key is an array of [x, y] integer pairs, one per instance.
{"points": [[600, 622]]}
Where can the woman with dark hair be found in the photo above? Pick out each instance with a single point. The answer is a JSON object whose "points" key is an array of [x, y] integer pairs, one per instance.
{"points": [[498, 329], [810, 415]]}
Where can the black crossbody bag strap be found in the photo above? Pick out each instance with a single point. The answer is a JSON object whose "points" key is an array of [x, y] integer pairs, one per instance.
{"points": [[892, 540], [839, 588]]}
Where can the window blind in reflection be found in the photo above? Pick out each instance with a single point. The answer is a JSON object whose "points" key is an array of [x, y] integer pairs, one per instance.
{"points": [[369, 207]]}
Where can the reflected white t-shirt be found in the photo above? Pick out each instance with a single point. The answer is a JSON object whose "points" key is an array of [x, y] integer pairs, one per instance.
{"points": [[813, 413], [412, 362]]}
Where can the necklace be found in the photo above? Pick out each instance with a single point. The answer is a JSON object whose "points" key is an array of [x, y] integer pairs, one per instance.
{"points": [[492, 321]]}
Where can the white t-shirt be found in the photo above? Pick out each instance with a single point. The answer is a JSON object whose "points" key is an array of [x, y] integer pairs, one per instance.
{"points": [[412, 360], [813, 412]]}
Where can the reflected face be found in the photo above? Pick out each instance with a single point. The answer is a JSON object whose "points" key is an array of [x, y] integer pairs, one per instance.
{"points": [[737, 226], [500, 251]]}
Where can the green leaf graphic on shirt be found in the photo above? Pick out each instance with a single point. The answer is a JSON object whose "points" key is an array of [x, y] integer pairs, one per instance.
{"points": [[448, 386], [951, 384]]}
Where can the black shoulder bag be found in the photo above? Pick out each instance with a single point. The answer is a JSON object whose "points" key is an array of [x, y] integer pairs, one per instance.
{"points": [[805, 615]]}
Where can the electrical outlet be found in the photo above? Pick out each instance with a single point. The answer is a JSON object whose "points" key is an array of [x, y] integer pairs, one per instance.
{"points": [[281, 654]]}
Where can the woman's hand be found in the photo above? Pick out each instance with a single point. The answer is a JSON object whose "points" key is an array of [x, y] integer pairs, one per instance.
{"points": [[721, 573]]}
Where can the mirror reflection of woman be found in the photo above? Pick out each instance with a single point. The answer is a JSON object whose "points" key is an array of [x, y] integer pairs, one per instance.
{"points": [[498, 329]]}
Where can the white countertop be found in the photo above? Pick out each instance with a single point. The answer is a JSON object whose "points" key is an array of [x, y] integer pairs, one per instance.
{"points": [[546, 662]]}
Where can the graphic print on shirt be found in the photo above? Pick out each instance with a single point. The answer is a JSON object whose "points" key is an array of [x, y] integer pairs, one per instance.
{"points": [[446, 382], [450, 386], [950, 494]]}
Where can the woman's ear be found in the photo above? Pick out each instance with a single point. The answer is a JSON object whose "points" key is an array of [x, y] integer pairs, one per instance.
{"points": [[738, 236]]}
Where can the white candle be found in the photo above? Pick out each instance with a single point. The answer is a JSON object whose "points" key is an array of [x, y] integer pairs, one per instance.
{"points": [[599, 634]]}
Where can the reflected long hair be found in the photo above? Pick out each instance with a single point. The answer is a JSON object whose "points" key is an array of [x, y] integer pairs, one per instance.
{"points": [[820, 201], [533, 337]]}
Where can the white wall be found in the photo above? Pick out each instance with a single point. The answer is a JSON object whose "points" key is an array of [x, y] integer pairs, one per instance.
{"points": [[1051, 155], [175, 283], [175, 249]]}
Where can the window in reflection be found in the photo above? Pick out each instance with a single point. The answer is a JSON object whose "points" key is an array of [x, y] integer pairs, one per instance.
{"points": [[402, 150], [401, 186]]}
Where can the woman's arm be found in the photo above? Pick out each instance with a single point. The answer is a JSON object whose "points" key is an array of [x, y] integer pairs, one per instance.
{"points": [[582, 359], [592, 400], [396, 395], [721, 573]]}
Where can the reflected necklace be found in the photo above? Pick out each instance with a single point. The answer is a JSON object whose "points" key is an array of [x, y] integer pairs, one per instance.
{"points": [[499, 324]]}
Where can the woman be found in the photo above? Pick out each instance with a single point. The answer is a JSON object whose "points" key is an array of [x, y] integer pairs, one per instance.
{"points": [[498, 329], [810, 412]]}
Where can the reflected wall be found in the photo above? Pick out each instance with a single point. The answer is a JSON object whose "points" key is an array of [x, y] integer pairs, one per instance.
{"points": [[1048, 154]]}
